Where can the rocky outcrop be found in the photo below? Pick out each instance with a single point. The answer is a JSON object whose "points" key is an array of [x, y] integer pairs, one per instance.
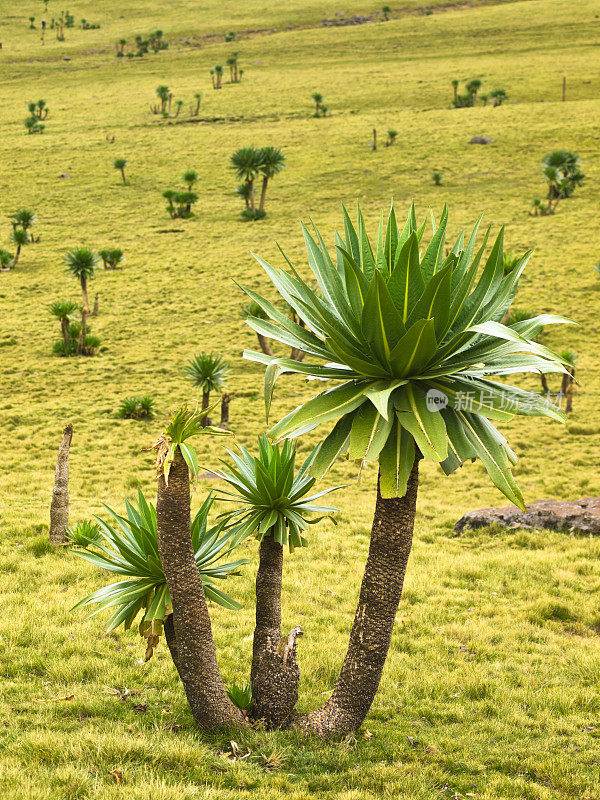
{"points": [[577, 516], [481, 140]]}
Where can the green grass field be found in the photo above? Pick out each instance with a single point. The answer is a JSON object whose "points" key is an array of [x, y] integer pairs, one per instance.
{"points": [[491, 686]]}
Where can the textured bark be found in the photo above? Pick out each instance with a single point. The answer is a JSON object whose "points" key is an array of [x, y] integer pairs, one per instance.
{"points": [[64, 326], [196, 659], [544, 381], [205, 404], [567, 389], [225, 401], [275, 688], [84, 293], [264, 345], [275, 673], [268, 599], [96, 306], [263, 193], [391, 540], [59, 506], [83, 331]]}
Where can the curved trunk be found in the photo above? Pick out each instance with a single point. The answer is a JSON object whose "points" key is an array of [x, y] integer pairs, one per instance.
{"points": [[263, 193], [391, 540], [17, 254], [191, 640], [264, 345], [59, 507]]}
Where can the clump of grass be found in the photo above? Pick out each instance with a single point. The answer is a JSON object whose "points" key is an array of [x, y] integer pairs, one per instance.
{"points": [[84, 534], [137, 408]]}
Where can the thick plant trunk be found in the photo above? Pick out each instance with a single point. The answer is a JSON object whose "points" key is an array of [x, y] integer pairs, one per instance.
{"points": [[83, 331], [225, 401], [263, 193], [275, 674], [268, 599], [205, 404], [264, 345], [567, 389], [191, 639], [391, 540], [252, 203], [59, 506], [84, 294], [17, 254], [297, 355], [544, 381], [64, 327]]}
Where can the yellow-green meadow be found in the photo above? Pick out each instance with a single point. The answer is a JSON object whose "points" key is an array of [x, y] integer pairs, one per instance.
{"points": [[490, 689]]}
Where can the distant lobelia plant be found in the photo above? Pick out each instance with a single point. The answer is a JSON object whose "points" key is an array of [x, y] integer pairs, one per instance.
{"points": [[272, 161], [391, 137], [386, 11], [249, 163], [33, 125], [209, 373], [164, 95], [498, 96], [320, 107], [120, 164], [111, 257], [190, 178], [20, 238], [216, 75], [437, 178], [565, 171], [81, 263], [64, 311], [246, 162], [137, 408], [235, 73], [195, 109], [38, 110], [25, 219]]}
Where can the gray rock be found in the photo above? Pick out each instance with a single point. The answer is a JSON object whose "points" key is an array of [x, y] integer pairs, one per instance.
{"points": [[64, 175], [481, 140], [579, 516]]}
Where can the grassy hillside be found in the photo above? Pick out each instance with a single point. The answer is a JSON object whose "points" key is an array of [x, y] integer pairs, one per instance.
{"points": [[490, 690]]}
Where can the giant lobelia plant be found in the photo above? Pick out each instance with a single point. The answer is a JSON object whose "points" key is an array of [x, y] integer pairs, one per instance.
{"points": [[412, 340]]}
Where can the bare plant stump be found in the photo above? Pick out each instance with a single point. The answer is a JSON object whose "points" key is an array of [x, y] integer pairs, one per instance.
{"points": [[59, 507]]}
